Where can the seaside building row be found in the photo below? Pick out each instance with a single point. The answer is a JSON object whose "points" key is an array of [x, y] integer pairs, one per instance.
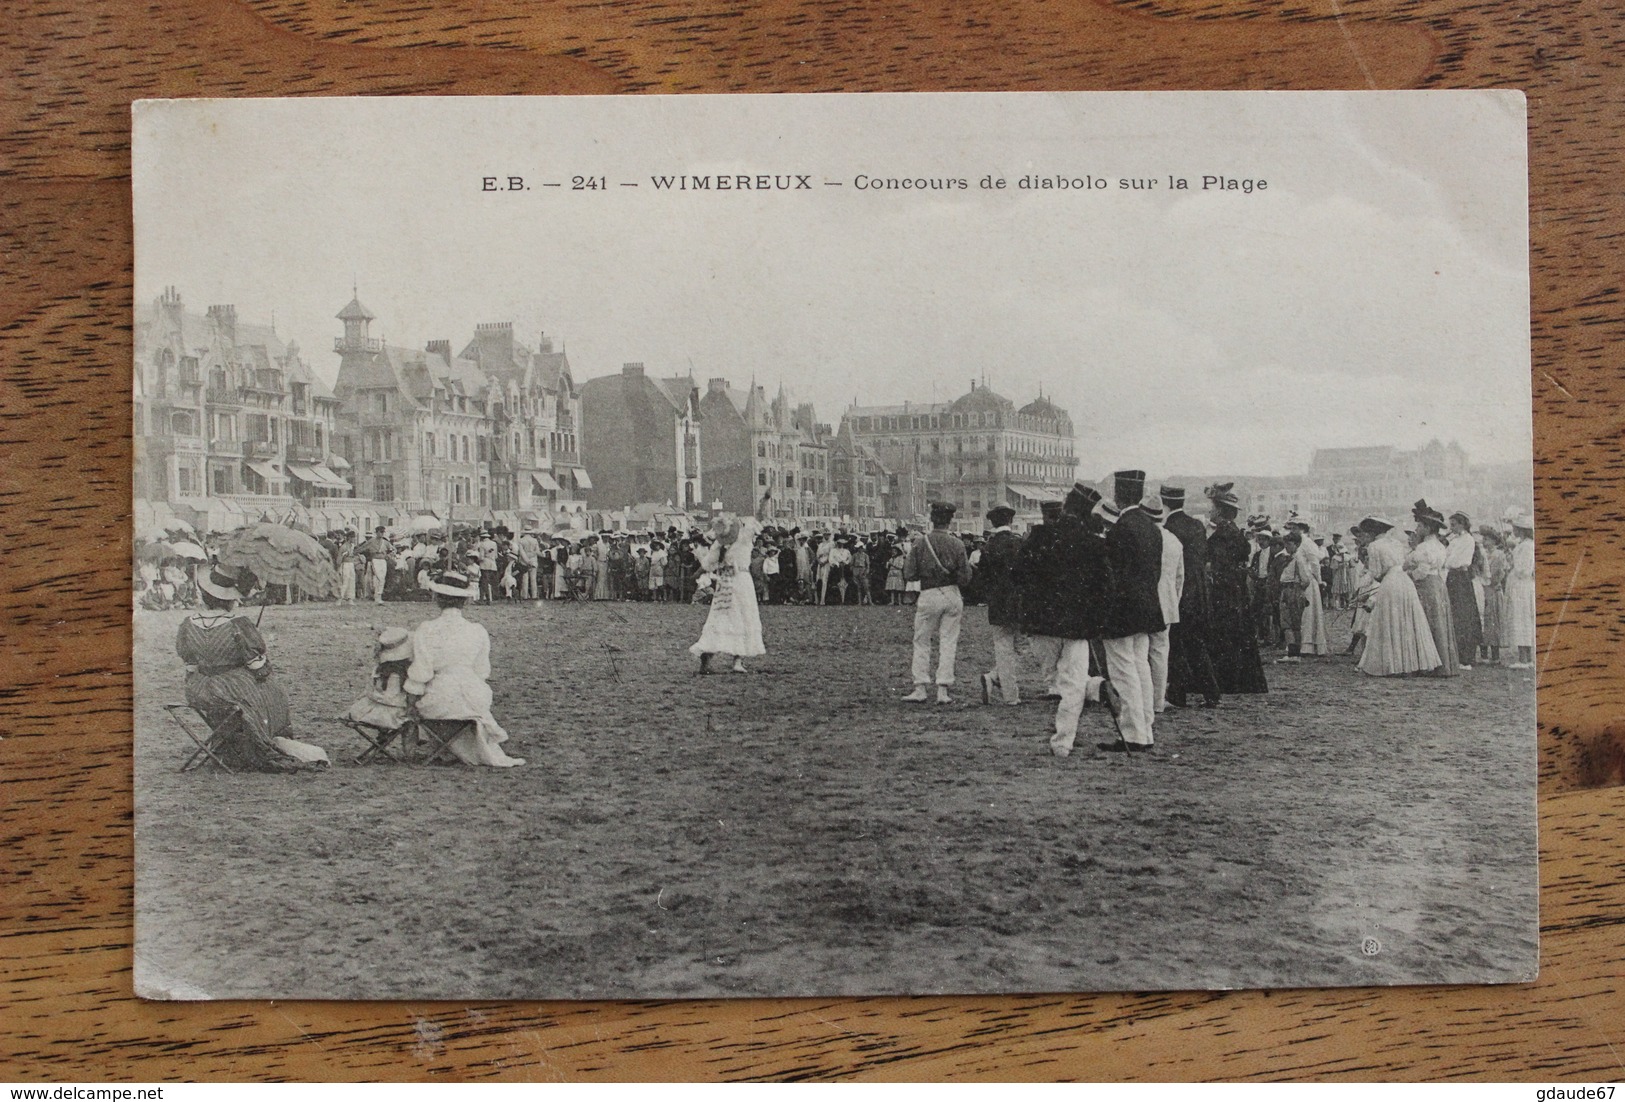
{"points": [[232, 425]]}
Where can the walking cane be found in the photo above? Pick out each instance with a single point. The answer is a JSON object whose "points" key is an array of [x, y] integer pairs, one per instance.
{"points": [[1098, 651]]}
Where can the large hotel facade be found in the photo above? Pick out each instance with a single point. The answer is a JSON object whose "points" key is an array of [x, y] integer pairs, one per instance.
{"points": [[977, 451]]}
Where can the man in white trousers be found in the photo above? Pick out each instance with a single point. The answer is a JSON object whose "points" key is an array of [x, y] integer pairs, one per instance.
{"points": [[938, 562], [1134, 550], [1170, 586]]}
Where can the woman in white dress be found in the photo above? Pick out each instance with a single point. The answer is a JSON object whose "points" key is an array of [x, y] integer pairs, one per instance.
{"points": [[451, 665], [1398, 639], [1305, 570], [734, 625], [1518, 613]]}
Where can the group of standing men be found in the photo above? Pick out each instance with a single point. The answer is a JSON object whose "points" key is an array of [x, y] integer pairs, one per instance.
{"points": [[1130, 602]]}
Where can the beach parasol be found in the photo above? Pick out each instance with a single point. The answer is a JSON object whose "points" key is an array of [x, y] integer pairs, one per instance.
{"points": [[280, 555], [425, 523], [154, 551], [185, 549]]}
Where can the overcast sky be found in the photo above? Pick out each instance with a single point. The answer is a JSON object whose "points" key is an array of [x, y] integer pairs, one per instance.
{"points": [[1376, 292]]}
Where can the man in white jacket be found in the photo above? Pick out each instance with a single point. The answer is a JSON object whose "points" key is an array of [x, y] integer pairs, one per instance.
{"points": [[1170, 585]]}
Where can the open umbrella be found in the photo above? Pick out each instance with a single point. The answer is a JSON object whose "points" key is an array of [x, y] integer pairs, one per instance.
{"points": [[185, 549], [280, 555], [424, 524], [154, 551]]}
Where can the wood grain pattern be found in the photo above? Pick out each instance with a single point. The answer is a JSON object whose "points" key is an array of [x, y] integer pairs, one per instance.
{"points": [[65, 938]]}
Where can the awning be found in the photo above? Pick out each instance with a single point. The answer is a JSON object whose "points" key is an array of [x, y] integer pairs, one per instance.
{"points": [[304, 474], [545, 482], [265, 470], [581, 478], [1036, 493], [338, 462], [329, 478]]}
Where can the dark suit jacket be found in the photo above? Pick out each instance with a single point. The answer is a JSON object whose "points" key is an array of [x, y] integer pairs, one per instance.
{"points": [[1134, 549], [993, 579], [1065, 581], [1192, 535]]}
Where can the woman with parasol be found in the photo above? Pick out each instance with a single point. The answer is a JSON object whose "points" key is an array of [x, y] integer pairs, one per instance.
{"points": [[733, 625], [227, 671]]}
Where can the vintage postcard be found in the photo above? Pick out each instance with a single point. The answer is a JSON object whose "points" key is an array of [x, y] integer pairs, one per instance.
{"points": [[651, 547]]}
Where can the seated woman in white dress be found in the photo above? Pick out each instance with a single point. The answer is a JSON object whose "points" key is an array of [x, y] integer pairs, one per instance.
{"points": [[451, 664]]}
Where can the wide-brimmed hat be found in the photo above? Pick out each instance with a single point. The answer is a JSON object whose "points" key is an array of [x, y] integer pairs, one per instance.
{"points": [[1466, 521], [1223, 493], [453, 583], [1152, 508], [394, 645], [1107, 511], [1526, 521], [219, 582], [1375, 526], [1423, 513]]}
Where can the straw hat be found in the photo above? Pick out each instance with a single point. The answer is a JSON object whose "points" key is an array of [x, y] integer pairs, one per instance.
{"points": [[453, 583], [218, 582], [394, 645]]}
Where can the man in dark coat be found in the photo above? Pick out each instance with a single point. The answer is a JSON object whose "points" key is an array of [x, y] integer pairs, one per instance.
{"points": [[1190, 669], [1134, 550], [1003, 599], [1035, 594], [1066, 588], [1232, 631]]}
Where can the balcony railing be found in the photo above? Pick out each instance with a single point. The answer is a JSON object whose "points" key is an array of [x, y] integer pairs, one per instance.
{"points": [[566, 459], [368, 344], [220, 396], [305, 453], [259, 449]]}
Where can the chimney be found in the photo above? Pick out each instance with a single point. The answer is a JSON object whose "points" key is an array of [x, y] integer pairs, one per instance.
{"points": [[544, 344], [225, 319], [494, 327], [170, 298], [716, 386], [632, 369], [441, 349]]}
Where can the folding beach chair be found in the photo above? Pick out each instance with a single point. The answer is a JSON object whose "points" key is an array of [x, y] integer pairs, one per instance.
{"points": [[435, 737], [209, 745], [380, 741]]}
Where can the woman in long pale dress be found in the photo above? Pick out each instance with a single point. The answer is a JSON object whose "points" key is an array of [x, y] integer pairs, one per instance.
{"points": [[1398, 639], [451, 667], [734, 624], [1518, 614], [1311, 626], [1426, 566]]}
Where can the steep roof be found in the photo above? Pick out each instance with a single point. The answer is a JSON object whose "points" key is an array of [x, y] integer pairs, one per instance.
{"points": [[354, 311]]}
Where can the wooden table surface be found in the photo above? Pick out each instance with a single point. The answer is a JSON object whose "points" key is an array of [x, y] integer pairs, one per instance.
{"points": [[71, 69]]}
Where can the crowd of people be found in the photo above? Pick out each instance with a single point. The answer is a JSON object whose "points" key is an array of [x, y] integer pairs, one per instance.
{"points": [[1131, 603]]}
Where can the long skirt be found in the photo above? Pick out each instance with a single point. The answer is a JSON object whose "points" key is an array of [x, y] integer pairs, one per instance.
{"points": [[1518, 613], [1464, 614], [1493, 600], [1233, 640], [1397, 637], [733, 625], [1436, 605]]}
